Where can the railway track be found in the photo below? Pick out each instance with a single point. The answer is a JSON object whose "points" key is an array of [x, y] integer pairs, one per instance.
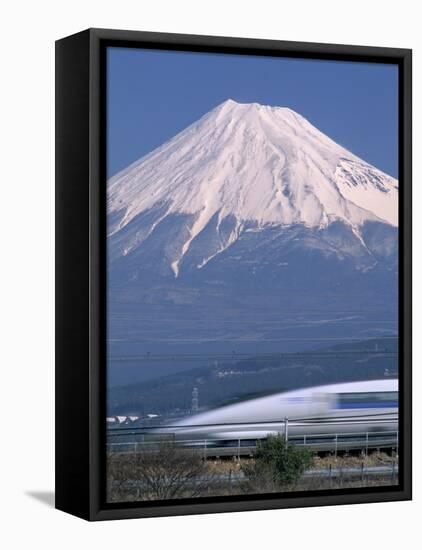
{"points": [[318, 443]]}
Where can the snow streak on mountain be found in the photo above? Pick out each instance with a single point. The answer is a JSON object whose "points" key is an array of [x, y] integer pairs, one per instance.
{"points": [[243, 171]]}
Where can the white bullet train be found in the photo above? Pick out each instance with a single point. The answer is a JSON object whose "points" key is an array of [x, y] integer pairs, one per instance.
{"points": [[353, 407]]}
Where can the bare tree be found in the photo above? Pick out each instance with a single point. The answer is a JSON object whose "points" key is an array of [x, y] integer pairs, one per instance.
{"points": [[165, 471]]}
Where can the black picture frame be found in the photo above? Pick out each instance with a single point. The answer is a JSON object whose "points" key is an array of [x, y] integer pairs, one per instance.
{"points": [[80, 271]]}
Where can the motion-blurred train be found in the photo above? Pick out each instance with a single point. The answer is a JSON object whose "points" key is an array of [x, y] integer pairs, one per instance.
{"points": [[353, 407]]}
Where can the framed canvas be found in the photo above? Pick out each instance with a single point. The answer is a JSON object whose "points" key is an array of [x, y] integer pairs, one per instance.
{"points": [[233, 274]]}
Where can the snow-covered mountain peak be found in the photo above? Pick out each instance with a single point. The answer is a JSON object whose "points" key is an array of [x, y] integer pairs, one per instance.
{"points": [[252, 164]]}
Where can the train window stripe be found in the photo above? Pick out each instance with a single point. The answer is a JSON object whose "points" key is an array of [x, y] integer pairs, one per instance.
{"points": [[365, 405], [367, 400]]}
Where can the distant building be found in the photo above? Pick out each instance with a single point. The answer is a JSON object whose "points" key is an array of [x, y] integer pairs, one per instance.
{"points": [[121, 420]]}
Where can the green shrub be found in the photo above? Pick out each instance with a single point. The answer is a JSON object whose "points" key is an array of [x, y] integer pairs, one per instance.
{"points": [[276, 464]]}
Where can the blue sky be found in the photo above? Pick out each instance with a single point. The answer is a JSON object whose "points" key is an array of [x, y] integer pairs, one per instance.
{"points": [[152, 95]]}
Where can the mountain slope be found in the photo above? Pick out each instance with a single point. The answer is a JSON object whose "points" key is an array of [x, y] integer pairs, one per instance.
{"points": [[249, 231]]}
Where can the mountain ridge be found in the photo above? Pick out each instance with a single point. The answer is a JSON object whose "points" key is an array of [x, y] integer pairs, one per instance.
{"points": [[233, 380]]}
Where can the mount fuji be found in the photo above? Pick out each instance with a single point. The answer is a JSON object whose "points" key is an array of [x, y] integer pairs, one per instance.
{"points": [[251, 212]]}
